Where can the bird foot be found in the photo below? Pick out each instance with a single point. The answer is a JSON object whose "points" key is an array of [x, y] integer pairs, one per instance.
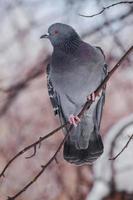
{"points": [[92, 96], [74, 120]]}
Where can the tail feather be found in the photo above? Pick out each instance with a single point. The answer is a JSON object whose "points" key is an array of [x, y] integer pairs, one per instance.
{"points": [[82, 156], [85, 143]]}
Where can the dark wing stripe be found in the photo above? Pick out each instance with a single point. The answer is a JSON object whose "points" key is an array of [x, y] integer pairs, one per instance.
{"points": [[52, 93], [101, 51], [105, 67]]}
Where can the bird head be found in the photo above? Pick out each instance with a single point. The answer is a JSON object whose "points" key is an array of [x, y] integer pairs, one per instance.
{"points": [[62, 36]]}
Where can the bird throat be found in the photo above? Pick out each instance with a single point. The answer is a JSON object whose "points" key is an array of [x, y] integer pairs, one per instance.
{"points": [[71, 44]]}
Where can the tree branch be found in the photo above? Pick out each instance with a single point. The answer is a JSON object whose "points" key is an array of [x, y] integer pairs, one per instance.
{"points": [[105, 24], [43, 167], [85, 107], [31, 146], [105, 8], [126, 145]]}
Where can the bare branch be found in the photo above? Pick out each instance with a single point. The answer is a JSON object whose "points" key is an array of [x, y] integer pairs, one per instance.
{"points": [[111, 154], [105, 8], [105, 24], [116, 39], [34, 153], [43, 167], [126, 145], [85, 107], [31, 146]]}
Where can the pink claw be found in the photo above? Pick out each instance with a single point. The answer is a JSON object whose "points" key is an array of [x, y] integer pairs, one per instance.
{"points": [[74, 120], [91, 97]]}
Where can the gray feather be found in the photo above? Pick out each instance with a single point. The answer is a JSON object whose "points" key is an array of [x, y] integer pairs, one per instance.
{"points": [[52, 93]]}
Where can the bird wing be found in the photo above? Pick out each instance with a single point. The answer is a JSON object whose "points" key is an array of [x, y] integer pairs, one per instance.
{"points": [[52, 93], [105, 67], [54, 98]]}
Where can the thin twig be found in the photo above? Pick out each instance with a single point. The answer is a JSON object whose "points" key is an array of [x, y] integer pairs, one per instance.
{"points": [[126, 145], [115, 37], [34, 153], [105, 8], [56, 160], [43, 168], [85, 107], [111, 153], [104, 24], [30, 146]]}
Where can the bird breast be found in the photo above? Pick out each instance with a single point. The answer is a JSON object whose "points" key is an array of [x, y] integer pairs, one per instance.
{"points": [[76, 82]]}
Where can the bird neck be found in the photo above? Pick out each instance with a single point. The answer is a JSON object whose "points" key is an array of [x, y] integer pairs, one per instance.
{"points": [[69, 45]]}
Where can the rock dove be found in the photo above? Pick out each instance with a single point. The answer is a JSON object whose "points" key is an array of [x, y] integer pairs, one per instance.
{"points": [[75, 71]]}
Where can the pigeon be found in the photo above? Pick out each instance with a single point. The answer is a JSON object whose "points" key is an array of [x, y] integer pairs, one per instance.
{"points": [[75, 71]]}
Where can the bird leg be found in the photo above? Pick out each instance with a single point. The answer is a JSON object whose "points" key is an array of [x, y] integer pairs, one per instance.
{"points": [[74, 119]]}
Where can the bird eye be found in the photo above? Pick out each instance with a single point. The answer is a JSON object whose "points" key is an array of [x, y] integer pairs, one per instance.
{"points": [[56, 32]]}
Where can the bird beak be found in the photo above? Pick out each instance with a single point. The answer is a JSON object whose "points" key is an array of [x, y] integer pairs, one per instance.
{"points": [[44, 36]]}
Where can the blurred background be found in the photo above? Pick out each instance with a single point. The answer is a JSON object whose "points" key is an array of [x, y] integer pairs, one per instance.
{"points": [[26, 112]]}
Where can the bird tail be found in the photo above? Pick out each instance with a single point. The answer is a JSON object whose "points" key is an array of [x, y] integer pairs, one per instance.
{"points": [[84, 144], [82, 156]]}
